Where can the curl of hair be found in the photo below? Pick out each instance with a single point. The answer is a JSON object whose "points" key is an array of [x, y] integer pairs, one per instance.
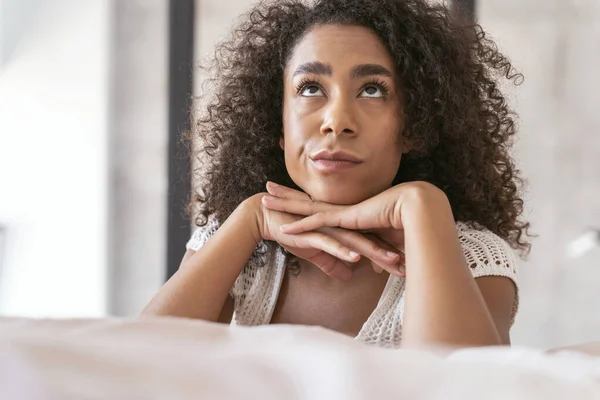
{"points": [[458, 122]]}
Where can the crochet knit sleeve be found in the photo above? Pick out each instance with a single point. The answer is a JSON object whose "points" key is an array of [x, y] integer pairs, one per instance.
{"points": [[202, 234], [489, 255], [246, 278]]}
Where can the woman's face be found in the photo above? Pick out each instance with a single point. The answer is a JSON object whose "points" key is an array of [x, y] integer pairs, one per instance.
{"points": [[342, 115]]}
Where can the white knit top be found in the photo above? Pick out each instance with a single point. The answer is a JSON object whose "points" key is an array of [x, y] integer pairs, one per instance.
{"points": [[256, 290]]}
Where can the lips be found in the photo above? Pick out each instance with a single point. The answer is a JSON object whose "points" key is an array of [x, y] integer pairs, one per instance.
{"points": [[335, 161], [336, 156]]}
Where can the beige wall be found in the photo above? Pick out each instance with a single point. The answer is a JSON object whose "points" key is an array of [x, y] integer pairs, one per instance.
{"points": [[556, 44]]}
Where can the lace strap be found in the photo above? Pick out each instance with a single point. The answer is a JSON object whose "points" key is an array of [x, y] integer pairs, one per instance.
{"points": [[489, 255]]}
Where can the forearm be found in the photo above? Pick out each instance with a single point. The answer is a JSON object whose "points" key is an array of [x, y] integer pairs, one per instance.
{"points": [[201, 286], [443, 303]]}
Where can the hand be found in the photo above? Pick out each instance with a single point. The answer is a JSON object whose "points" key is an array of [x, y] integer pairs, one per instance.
{"points": [[303, 205], [381, 214], [327, 248], [297, 203], [382, 211]]}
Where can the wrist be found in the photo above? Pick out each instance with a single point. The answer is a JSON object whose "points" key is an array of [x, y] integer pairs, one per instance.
{"points": [[426, 203], [251, 211]]}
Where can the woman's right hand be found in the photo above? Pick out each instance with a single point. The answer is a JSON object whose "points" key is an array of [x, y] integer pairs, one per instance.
{"points": [[327, 248]]}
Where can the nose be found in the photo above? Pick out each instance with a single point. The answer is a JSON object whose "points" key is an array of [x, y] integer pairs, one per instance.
{"points": [[339, 119]]}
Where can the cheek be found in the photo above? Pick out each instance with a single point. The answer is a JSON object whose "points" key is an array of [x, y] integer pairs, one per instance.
{"points": [[387, 147], [389, 156], [298, 115], [293, 141], [300, 122], [388, 132]]}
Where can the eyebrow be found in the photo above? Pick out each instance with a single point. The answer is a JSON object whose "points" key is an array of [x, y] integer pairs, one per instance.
{"points": [[314, 67], [363, 70], [359, 71]]}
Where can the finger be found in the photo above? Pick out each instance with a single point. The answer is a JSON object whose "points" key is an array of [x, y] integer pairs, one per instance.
{"points": [[398, 268], [313, 222], [363, 245], [402, 270], [381, 258], [285, 192], [292, 206], [376, 268], [332, 266], [326, 262], [387, 246], [391, 237], [346, 217], [392, 270], [320, 241]]}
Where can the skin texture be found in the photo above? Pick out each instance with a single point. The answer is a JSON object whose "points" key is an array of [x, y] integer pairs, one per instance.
{"points": [[419, 164], [331, 107]]}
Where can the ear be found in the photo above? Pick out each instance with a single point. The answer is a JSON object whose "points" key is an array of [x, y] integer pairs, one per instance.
{"points": [[282, 143]]}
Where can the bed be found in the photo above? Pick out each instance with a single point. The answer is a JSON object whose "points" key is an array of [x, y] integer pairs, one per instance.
{"points": [[171, 358]]}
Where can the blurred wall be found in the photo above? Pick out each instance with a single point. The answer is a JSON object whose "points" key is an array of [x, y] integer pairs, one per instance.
{"points": [[138, 153], [556, 44], [16, 17], [54, 163]]}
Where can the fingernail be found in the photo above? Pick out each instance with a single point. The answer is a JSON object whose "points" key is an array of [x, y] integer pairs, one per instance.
{"points": [[284, 227], [273, 184], [353, 254], [392, 255]]}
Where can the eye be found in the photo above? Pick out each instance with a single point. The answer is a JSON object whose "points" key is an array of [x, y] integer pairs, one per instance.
{"points": [[311, 91], [373, 92], [309, 88]]}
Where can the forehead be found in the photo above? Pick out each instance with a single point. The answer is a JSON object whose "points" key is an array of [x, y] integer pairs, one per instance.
{"points": [[342, 47]]}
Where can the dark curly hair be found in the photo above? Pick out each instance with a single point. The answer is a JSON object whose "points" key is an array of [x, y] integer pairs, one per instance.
{"points": [[457, 120]]}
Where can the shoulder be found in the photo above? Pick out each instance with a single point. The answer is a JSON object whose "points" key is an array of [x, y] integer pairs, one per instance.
{"points": [[487, 254], [202, 234]]}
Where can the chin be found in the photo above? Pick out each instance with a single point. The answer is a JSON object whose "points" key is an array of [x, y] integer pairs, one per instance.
{"points": [[340, 196]]}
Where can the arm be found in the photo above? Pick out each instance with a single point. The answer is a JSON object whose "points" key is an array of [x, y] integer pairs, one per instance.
{"points": [[201, 286], [444, 305], [228, 307], [499, 293]]}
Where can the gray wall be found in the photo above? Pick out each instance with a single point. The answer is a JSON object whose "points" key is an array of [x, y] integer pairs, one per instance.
{"points": [[138, 148]]}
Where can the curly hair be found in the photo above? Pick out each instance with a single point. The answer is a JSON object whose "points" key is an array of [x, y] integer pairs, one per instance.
{"points": [[458, 122]]}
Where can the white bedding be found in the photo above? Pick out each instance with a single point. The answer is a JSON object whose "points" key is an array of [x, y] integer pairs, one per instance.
{"points": [[167, 358]]}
